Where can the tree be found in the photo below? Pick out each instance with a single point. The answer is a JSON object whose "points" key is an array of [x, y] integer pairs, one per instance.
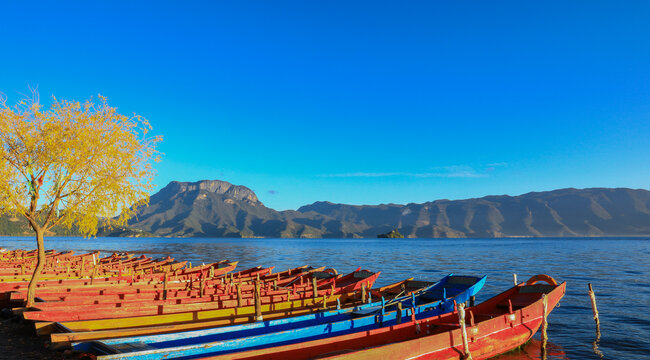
{"points": [[74, 164]]}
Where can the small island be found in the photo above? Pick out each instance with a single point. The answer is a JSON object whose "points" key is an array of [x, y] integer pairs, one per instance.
{"points": [[391, 235]]}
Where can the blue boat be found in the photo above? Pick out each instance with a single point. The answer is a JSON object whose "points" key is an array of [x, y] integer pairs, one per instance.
{"points": [[433, 300]]}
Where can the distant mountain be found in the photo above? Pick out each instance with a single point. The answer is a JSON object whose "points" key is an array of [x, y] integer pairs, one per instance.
{"points": [[205, 208], [15, 225], [565, 212], [213, 208], [220, 209]]}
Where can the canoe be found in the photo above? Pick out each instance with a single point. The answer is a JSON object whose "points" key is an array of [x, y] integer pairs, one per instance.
{"points": [[91, 312], [27, 264], [67, 286], [97, 293], [174, 295], [136, 325], [405, 291], [9, 268], [401, 289], [25, 256], [199, 343], [104, 329], [12, 295], [105, 286], [98, 272], [495, 326], [147, 266], [289, 272], [214, 289]]}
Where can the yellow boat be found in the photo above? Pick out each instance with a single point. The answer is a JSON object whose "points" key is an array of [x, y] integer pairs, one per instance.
{"points": [[64, 333]]}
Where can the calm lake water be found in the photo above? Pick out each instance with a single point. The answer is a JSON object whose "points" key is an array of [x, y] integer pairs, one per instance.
{"points": [[619, 270]]}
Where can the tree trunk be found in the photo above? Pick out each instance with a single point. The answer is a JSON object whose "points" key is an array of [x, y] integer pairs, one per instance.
{"points": [[31, 290]]}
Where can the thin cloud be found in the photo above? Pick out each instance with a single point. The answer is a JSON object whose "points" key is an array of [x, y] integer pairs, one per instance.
{"points": [[273, 192], [440, 172], [498, 164], [365, 174]]}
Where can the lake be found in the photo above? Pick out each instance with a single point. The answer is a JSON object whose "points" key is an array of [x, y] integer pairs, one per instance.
{"points": [[619, 270]]}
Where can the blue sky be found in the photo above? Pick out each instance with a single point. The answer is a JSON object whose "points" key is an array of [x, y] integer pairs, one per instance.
{"points": [[358, 102]]}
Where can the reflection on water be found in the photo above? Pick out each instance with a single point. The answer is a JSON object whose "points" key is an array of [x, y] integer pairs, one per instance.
{"points": [[532, 351], [618, 269]]}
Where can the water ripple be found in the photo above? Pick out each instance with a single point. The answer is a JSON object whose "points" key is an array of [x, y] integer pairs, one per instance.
{"points": [[618, 270]]}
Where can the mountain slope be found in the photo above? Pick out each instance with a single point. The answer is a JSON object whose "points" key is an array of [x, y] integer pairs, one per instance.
{"points": [[205, 208], [220, 209], [565, 212], [213, 208]]}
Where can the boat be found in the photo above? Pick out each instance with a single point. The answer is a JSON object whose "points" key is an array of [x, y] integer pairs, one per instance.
{"points": [[175, 294], [63, 287], [434, 299], [346, 283], [63, 333], [496, 326], [51, 264]]}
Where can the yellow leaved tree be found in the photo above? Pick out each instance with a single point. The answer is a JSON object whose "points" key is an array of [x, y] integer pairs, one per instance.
{"points": [[72, 164]]}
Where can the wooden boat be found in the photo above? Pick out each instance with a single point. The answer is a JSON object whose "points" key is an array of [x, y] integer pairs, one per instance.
{"points": [[198, 343], [155, 324], [90, 312], [22, 255], [405, 291], [132, 292], [15, 268], [30, 263], [495, 326], [12, 295], [67, 286], [106, 329], [114, 293], [97, 270], [175, 294], [289, 272]]}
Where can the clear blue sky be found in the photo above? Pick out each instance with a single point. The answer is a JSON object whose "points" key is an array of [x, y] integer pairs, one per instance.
{"points": [[358, 102]]}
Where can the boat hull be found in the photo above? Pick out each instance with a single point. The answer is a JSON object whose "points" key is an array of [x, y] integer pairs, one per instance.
{"points": [[438, 337]]}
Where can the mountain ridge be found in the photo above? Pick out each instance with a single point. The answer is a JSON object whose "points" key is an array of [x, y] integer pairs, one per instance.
{"points": [[215, 208], [561, 212]]}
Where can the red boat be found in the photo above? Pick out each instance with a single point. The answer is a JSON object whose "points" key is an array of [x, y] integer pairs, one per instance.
{"points": [[177, 294], [346, 283], [494, 327], [68, 285], [53, 261]]}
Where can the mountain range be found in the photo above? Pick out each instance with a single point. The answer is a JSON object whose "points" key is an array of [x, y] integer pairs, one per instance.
{"points": [[214, 208]]}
